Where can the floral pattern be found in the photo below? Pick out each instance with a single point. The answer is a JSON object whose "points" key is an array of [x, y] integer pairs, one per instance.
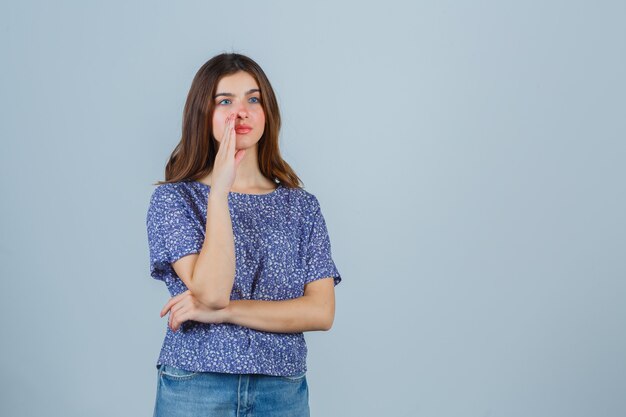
{"points": [[281, 244]]}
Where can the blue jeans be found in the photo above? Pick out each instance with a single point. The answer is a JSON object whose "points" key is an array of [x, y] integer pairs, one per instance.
{"points": [[213, 394]]}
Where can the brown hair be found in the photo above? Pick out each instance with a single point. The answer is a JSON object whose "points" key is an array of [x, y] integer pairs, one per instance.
{"points": [[194, 155]]}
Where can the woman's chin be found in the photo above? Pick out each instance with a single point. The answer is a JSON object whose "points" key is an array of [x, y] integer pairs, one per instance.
{"points": [[245, 143]]}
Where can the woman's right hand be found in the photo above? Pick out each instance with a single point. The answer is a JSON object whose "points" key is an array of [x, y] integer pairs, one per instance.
{"points": [[226, 160]]}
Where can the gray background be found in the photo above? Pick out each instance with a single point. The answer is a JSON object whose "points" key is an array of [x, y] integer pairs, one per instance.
{"points": [[468, 157]]}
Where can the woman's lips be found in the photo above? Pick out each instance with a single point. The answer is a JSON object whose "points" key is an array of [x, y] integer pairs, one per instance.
{"points": [[242, 130]]}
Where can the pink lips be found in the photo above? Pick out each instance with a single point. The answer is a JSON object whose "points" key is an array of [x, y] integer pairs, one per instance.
{"points": [[242, 129]]}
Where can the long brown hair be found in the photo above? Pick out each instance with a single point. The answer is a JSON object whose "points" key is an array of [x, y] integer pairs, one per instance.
{"points": [[194, 155]]}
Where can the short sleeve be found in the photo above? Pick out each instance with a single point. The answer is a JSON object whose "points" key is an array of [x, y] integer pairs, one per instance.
{"points": [[172, 232], [319, 261]]}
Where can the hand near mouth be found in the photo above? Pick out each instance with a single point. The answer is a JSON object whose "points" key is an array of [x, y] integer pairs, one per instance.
{"points": [[227, 160]]}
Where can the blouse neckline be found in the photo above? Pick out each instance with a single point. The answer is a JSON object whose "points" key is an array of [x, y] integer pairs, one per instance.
{"points": [[233, 193]]}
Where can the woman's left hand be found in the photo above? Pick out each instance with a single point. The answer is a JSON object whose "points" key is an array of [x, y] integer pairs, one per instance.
{"points": [[185, 306]]}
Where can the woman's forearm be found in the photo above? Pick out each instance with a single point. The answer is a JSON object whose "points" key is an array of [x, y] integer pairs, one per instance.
{"points": [[214, 271], [285, 316]]}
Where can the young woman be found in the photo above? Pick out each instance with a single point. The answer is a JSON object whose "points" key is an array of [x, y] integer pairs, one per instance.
{"points": [[244, 252]]}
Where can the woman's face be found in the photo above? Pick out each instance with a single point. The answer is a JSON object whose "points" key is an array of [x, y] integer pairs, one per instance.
{"points": [[239, 94]]}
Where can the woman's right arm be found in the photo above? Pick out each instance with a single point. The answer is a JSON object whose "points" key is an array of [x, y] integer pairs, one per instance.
{"points": [[210, 274], [214, 271]]}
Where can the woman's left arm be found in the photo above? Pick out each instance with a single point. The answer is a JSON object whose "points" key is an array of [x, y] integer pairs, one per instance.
{"points": [[315, 310]]}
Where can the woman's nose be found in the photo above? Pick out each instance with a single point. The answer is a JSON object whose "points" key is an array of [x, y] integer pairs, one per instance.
{"points": [[241, 110]]}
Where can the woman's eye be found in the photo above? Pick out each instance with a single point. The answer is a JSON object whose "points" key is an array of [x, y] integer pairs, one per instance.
{"points": [[221, 102], [257, 100]]}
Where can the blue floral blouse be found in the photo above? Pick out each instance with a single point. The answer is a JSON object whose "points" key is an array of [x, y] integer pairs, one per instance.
{"points": [[281, 244]]}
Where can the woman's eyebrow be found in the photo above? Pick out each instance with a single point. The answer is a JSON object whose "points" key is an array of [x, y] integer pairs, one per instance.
{"points": [[254, 90]]}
